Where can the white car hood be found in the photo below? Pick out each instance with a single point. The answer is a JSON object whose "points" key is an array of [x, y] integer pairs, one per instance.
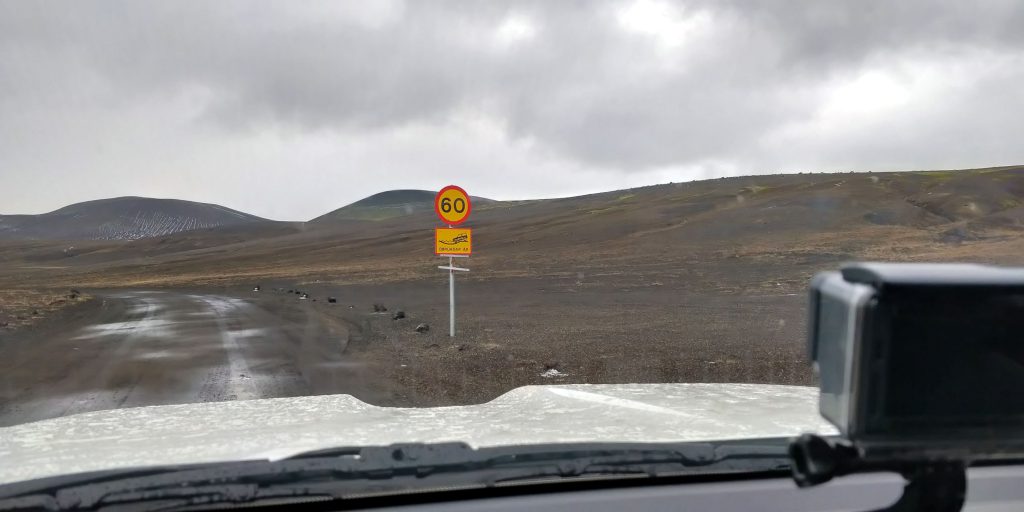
{"points": [[279, 427]]}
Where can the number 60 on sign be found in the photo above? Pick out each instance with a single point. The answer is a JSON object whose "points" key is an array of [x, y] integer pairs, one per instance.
{"points": [[452, 205]]}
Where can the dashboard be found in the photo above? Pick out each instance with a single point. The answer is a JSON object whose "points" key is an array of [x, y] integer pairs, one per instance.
{"points": [[989, 489]]}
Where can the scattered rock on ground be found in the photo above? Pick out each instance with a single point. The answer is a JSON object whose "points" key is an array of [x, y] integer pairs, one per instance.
{"points": [[332, 300], [379, 308], [398, 315], [35, 312], [422, 328], [958, 236]]}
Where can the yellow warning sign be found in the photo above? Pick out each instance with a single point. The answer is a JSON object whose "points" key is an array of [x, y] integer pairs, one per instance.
{"points": [[453, 241]]}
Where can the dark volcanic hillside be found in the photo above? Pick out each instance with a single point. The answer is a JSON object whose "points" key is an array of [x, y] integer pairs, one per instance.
{"points": [[388, 205], [748, 231], [122, 218]]}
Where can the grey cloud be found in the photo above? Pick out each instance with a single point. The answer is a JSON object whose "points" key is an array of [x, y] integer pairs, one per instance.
{"points": [[582, 88], [837, 34]]}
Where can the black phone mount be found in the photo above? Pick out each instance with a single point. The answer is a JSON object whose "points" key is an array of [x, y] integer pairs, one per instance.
{"points": [[931, 485]]}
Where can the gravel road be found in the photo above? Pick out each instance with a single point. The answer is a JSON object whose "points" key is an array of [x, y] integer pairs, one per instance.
{"points": [[130, 349]]}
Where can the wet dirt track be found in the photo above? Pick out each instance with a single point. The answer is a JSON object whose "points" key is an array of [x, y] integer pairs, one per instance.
{"points": [[153, 348]]}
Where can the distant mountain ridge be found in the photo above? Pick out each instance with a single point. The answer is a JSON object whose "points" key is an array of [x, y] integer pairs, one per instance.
{"points": [[964, 205], [121, 218], [388, 205], [134, 218]]}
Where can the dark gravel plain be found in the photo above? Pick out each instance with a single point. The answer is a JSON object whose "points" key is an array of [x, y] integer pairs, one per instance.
{"points": [[519, 331]]}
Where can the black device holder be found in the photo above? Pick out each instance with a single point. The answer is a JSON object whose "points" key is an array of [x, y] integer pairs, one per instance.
{"points": [[934, 485]]}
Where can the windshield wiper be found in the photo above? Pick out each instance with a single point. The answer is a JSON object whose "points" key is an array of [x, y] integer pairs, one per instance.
{"points": [[347, 473]]}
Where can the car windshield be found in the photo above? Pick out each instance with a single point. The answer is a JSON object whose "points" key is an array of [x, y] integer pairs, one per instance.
{"points": [[237, 231]]}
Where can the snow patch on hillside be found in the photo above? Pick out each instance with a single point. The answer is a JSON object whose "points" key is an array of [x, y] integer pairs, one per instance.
{"points": [[145, 225]]}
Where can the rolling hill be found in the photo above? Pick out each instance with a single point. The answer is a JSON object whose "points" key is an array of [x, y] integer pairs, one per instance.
{"points": [[745, 230], [122, 218], [389, 205]]}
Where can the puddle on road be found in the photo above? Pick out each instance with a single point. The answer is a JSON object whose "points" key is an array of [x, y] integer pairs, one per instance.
{"points": [[145, 309], [221, 305], [152, 327], [248, 333], [158, 354]]}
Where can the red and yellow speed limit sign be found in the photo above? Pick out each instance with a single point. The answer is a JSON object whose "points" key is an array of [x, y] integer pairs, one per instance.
{"points": [[452, 205]]}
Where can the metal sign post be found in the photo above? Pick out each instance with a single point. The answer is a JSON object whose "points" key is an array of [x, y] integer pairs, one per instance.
{"points": [[452, 206], [451, 297], [451, 268]]}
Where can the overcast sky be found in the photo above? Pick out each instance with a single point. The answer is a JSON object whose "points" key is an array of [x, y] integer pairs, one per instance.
{"points": [[290, 109]]}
